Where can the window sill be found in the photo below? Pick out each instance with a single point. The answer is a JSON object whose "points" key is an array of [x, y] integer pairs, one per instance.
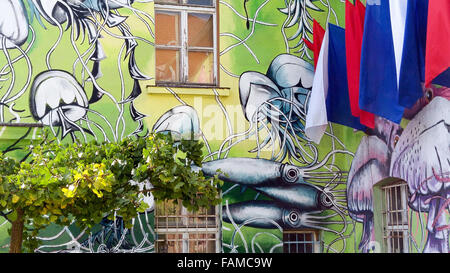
{"points": [[188, 90]]}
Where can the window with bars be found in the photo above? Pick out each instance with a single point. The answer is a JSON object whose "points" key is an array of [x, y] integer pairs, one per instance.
{"points": [[395, 217], [185, 38], [181, 231], [304, 241]]}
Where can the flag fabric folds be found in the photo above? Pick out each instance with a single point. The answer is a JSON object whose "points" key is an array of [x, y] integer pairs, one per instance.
{"points": [[397, 14], [338, 101], [316, 117], [329, 99], [437, 56], [412, 71], [354, 28], [378, 91]]}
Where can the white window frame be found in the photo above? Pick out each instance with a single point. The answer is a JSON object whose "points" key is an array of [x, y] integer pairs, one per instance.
{"points": [[390, 220], [184, 9], [185, 229], [315, 242]]}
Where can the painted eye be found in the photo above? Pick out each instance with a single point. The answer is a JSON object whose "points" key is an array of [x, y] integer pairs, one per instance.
{"points": [[292, 218], [326, 200], [429, 94], [290, 174]]}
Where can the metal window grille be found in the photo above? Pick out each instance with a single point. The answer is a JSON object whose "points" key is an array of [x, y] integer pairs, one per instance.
{"points": [[178, 60], [395, 218], [301, 242], [181, 231]]}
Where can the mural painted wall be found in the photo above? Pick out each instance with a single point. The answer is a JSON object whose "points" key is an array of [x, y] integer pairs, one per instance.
{"points": [[86, 69]]}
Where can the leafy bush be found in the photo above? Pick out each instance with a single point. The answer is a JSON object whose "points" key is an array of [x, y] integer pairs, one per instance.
{"points": [[85, 182]]}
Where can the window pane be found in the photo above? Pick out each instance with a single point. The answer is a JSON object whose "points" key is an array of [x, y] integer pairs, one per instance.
{"points": [[167, 65], [201, 67], [167, 28], [200, 2], [200, 28]]}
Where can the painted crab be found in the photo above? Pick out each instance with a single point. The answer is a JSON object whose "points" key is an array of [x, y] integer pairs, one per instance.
{"points": [[417, 154]]}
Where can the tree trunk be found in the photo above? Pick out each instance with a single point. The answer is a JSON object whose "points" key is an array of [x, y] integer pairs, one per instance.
{"points": [[16, 233]]}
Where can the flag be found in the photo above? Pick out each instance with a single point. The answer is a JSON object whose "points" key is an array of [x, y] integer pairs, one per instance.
{"points": [[412, 70], [329, 99], [378, 91], [318, 33], [437, 56], [354, 26], [316, 117], [337, 100], [397, 13]]}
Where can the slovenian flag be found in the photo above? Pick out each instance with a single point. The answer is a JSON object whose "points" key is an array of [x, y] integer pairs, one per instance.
{"points": [[378, 87], [412, 71], [354, 29], [329, 99], [437, 58]]}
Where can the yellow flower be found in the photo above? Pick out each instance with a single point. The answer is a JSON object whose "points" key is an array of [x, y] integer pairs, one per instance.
{"points": [[98, 193], [15, 199], [78, 176]]}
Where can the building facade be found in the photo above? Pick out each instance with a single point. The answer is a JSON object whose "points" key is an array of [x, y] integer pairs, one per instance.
{"points": [[238, 75]]}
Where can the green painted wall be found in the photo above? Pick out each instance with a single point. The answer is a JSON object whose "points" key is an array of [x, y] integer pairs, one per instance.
{"points": [[124, 101]]}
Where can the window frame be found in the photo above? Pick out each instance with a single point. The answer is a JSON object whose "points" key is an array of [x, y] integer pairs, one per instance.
{"points": [[181, 228], [390, 221], [315, 242], [183, 9]]}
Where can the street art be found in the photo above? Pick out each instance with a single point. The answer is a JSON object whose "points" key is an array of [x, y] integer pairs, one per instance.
{"points": [[53, 74], [414, 154], [279, 98], [82, 23], [79, 67]]}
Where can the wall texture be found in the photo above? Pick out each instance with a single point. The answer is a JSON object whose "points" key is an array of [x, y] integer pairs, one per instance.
{"points": [[86, 69]]}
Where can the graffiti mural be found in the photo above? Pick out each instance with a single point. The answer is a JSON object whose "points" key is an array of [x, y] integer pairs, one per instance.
{"points": [[86, 70], [75, 67]]}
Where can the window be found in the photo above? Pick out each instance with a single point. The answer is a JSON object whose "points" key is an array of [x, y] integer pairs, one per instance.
{"points": [[304, 241], [185, 37], [181, 231], [395, 217]]}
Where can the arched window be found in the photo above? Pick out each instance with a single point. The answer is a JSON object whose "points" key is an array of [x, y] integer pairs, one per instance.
{"points": [[391, 216]]}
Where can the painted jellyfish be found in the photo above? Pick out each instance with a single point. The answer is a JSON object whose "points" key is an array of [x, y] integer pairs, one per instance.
{"points": [[181, 121], [13, 24], [57, 99], [13, 34], [278, 100], [421, 157], [84, 17]]}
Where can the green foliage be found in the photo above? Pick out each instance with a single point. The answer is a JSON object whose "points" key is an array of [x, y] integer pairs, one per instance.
{"points": [[84, 183]]}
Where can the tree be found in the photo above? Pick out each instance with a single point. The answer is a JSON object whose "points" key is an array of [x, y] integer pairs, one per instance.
{"points": [[85, 182]]}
